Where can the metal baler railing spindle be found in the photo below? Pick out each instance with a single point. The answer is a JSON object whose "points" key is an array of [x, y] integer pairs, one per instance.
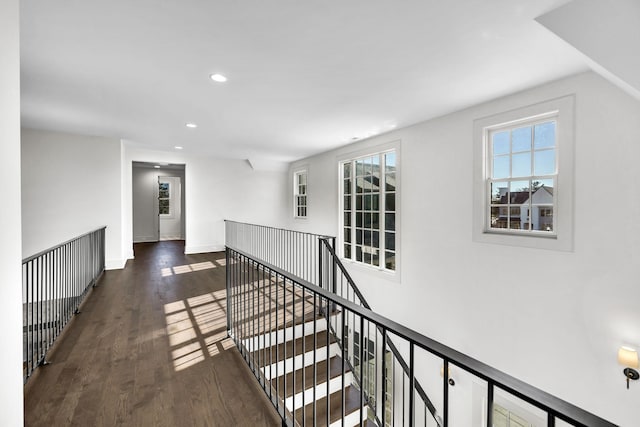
{"points": [[54, 284]]}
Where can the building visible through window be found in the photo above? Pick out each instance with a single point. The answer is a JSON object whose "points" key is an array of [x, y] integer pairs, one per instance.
{"points": [[368, 193], [522, 177]]}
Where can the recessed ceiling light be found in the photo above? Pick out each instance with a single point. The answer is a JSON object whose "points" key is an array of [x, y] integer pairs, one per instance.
{"points": [[191, 125], [157, 166], [218, 78], [177, 147]]}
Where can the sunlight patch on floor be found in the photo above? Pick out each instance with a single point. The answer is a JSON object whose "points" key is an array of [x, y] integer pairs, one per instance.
{"points": [[197, 328], [189, 268]]}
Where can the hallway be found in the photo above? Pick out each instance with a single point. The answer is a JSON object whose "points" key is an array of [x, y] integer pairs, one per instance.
{"points": [[149, 348]]}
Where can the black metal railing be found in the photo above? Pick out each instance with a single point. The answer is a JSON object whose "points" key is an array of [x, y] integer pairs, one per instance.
{"points": [[54, 284], [293, 251], [401, 376], [311, 257]]}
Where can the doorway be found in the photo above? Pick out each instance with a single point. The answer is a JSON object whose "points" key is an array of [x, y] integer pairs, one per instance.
{"points": [[158, 201], [169, 209]]}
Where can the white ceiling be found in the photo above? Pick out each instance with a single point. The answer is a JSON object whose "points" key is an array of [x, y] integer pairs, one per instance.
{"points": [[304, 76]]}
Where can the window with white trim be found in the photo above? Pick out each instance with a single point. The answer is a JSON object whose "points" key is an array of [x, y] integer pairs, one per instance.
{"points": [[300, 194], [522, 172], [368, 193], [164, 198], [524, 176]]}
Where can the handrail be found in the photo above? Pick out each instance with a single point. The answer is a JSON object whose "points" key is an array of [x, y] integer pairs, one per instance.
{"points": [[59, 245], [554, 406], [278, 228], [405, 367], [54, 284]]}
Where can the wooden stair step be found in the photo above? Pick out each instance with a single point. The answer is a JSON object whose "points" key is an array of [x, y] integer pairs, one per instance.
{"points": [[285, 350], [352, 404], [335, 370]]}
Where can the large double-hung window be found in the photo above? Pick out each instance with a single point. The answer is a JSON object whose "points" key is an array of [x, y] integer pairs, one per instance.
{"points": [[523, 177], [369, 208]]}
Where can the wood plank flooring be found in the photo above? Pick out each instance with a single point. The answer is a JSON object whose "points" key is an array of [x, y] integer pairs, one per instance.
{"points": [[149, 348]]}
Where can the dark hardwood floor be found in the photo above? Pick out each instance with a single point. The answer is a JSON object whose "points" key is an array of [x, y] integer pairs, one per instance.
{"points": [[149, 348]]}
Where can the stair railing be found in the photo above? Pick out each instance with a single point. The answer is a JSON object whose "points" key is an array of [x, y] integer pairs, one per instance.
{"points": [[386, 358], [54, 284]]}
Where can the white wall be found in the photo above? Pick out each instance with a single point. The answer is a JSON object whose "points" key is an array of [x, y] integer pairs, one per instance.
{"points": [[70, 185], [10, 253], [215, 190], [558, 325]]}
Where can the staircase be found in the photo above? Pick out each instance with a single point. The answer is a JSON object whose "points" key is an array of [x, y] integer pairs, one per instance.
{"points": [[290, 340], [324, 358]]}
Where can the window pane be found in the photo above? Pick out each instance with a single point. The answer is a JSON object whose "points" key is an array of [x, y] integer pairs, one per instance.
{"points": [[375, 202], [358, 236], [359, 185], [367, 202], [359, 167], [501, 167], [346, 170], [521, 164], [375, 259], [390, 241], [347, 219], [518, 192], [521, 139], [500, 143], [390, 184], [359, 219], [542, 218], [390, 161], [163, 194], [543, 191], [545, 162], [545, 135], [359, 253], [347, 235], [347, 251], [367, 220], [359, 203], [375, 239], [347, 186], [367, 256], [390, 260], [498, 217], [164, 204], [390, 221], [375, 221], [347, 202], [367, 237], [499, 192], [390, 202]]}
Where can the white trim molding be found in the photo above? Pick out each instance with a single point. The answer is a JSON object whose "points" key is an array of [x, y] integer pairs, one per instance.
{"points": [[563, 109]]}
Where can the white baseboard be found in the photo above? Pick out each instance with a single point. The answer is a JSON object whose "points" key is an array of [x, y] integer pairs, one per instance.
{"points": [[203, 249], [145, 239], [129, 254], [115, 264]]}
